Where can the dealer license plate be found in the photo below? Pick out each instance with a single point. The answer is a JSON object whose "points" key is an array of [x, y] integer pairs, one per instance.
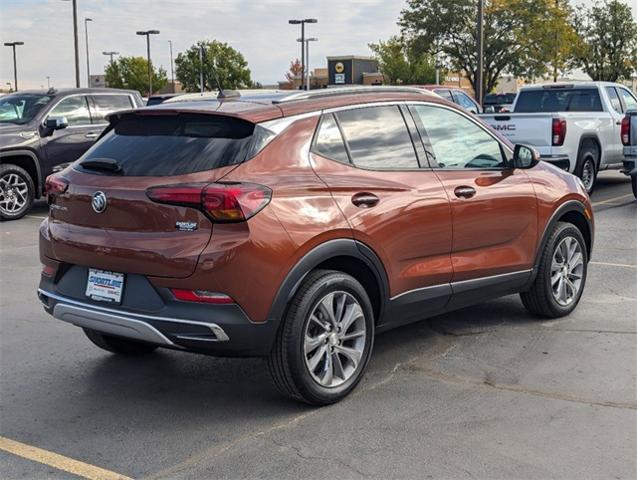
{"points": [[104, 286]]}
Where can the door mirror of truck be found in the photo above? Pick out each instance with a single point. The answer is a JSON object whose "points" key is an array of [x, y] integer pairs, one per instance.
{"points": [[54, 123], [525, 157]]}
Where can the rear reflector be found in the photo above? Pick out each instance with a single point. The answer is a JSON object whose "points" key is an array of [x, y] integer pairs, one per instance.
{"points": [[201, 296], [626, 131], [48, 271], [222, 202], [55, 184], [558, 132]]}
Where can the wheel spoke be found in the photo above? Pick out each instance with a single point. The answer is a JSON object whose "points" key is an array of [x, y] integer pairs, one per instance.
{"points": [[312, 343], [337, 364], [319, 322], [354, 356], [316, 358], [352, 313], [555, 278], [327, 309], [328, 369], [353, 335]]}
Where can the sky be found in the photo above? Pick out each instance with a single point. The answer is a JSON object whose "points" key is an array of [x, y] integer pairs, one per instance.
{"points": [[257, 28]]}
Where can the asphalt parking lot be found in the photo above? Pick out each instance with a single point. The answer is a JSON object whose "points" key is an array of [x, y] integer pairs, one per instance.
{"points": [[485, 392]]}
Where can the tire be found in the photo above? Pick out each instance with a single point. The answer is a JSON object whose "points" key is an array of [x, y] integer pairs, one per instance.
{"points": [[304, 376], [587, 166], [541, 299], [17, 192], [633, 181], [122, 346]]}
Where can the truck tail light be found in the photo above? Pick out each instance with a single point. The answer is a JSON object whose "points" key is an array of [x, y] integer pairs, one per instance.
{"points": [[626, 131], [55, 184], [222, 202], [558, 132]]}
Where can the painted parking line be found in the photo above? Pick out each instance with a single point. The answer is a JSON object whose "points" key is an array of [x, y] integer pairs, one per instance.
{"points": [[60, 462], [611, 200], [35, 216], [624, 265]]}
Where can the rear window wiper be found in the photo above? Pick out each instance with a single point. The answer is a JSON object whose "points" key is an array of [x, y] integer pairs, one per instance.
{"points": [[103, 164]]}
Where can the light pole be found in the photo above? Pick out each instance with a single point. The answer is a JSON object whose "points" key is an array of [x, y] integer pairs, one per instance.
{"points": [[148, 33], [110, 54], [48, 81], [88, 62], [480, 52], [15, 63], [9, 84], [76, 43], [307, 57], [302, 23], [172, 70]]}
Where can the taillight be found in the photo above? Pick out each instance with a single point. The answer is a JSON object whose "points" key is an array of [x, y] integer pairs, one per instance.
{"points": [[55, 184], [201, 296], [626, 131], [222, 202], [558, 132]]}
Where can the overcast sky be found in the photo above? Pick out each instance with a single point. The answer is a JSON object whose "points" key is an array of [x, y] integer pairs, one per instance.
{"points": [[257, 28]]}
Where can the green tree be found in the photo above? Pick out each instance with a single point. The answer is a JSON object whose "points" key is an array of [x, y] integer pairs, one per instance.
{"points": [[608, 41], [402, 65], [132, 73], [515, 35], [221, 62]]}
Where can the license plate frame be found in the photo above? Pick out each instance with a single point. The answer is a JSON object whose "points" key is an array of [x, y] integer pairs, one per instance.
{"points": [[105, 286]]}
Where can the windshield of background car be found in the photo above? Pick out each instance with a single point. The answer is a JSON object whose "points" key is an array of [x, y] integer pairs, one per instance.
{"points": [[22, 108], [563, 100]]}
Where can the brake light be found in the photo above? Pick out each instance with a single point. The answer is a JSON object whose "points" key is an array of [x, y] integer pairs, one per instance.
{"points": [[201, 296], [558, 132], [222, 202], [55, 184], [626, 131]]}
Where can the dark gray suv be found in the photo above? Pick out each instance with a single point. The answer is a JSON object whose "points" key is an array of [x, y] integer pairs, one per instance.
{"points": [[40, 130]]}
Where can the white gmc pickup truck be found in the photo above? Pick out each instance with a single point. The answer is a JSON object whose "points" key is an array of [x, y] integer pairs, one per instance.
{"points": [[574, 126]]}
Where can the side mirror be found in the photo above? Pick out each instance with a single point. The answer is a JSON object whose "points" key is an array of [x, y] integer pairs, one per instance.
{"points": [[54, 123], [525, 157], [489, 109]]}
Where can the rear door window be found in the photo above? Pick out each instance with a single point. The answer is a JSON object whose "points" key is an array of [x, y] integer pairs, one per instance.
{"points": [[444, 93], [329, 141], [105, 104], [629, 99], [559, 100], [74, 109], [614, 99], [378, 138], [147, 145], [464, 101]]}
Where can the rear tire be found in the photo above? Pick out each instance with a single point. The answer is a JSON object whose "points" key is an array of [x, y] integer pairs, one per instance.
{"points": [[558, 270], [119, 345], [17, 192], [587, 165], [319, 357]]}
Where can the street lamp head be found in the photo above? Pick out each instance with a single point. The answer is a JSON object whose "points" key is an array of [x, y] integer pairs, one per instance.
{"points": [[311, 39], [88, 19], [294, 22], [153, 32], [310, 20], [13, 44], [142, 33]]}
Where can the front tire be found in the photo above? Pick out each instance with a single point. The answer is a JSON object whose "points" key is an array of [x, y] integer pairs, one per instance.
{"points": [[561, 275], [119, 345], [325, 341], [17, 192]]}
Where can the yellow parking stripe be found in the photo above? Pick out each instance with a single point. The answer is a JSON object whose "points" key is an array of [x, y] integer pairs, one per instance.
{"points": [[625, 265], [611, 200], [60, 462]]}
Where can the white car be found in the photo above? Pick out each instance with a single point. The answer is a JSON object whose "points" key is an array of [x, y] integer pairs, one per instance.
{"points": [[575, 126]]}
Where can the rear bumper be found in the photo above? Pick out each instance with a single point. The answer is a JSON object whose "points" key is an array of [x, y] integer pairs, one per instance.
{"points": [[560, 161], [224, 330]]}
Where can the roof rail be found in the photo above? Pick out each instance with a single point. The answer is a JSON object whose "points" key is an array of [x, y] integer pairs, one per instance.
{"points": [[331, 92]]}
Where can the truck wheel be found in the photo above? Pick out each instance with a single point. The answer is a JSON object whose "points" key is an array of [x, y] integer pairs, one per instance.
{"points": [[17, 192], [561, 275], [123, 346], [325, 340], [586, 169]]}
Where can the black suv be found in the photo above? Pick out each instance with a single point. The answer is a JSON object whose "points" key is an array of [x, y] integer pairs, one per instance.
{"points": [[41, 130]]}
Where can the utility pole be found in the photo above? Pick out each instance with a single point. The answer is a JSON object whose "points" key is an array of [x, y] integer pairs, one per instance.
{"points": [[148, 33], [15, 63], [556, 43], [172, 70], [88, 62], [201, 57], [480, 53], [302, 23], [307, 57]]}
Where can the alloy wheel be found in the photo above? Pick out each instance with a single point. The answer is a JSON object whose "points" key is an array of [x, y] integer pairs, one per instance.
{"points": [[567, 271], [14, 193], [334, 339], [588, 174]]}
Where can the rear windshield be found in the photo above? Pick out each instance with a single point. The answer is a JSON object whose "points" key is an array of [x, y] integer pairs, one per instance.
{"points": [[567, 100], [162, 145]]}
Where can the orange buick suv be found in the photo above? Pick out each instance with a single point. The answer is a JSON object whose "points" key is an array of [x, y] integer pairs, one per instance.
{"points": [[298, 226]]}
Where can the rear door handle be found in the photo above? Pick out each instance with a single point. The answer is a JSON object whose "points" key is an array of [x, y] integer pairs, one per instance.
{"points": [[92, 135], [365, 200], [464, 192]]}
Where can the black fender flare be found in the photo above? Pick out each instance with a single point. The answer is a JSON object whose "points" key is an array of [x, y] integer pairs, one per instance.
{"points": [[342, 247], [566, 207], [27, 153], [594, 138]]}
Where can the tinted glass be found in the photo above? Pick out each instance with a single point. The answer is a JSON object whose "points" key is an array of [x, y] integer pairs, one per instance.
{"points": [[563, 100], [446, 94], [378, 138], [21, 108], [458, 142], [74, 109], [629, 99], [614, 99], [105, 104], [464, 101], [173, 145], [329, 142]]}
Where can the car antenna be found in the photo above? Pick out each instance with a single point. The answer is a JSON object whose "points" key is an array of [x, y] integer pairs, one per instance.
{"points": [[223, 94]]}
